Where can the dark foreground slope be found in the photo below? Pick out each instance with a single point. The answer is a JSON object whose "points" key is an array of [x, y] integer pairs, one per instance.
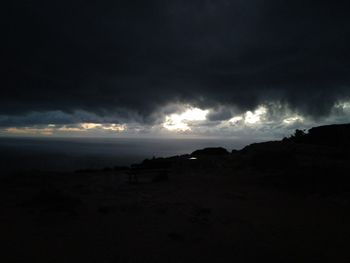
{"points": [[283, 201]]}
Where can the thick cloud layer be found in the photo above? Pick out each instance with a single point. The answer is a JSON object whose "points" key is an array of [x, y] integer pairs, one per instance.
{"points": [[130, 58]]}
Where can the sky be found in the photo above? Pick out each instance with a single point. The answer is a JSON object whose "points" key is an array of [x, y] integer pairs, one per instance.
{"points": [[243, 68]]}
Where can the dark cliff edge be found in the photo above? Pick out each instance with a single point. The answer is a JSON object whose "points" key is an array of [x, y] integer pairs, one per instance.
{"points": [[315, 161]]}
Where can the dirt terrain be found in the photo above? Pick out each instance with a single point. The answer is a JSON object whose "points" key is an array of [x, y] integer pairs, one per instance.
{"points": [[192, 212], [282, 201]]}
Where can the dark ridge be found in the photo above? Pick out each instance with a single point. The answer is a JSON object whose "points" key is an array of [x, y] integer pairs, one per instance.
{"points": [[105, 169], [313, 161], [213, 151], [330, 135]]}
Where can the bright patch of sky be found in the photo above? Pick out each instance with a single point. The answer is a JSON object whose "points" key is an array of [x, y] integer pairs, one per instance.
{"points": [[293, 119], [182, 121], [53, 129], [186, 120]]}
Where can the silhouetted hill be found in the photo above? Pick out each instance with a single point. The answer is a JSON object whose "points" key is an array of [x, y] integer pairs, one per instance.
{"points": [[313, 161], [213, 151], [334, 135], [331, 135]]}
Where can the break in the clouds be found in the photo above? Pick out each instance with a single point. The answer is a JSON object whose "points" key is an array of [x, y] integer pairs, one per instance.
{"points": [[269, 121], [139, 63]]}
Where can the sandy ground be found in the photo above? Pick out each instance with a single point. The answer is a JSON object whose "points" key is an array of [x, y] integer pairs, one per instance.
{"points": [[194, 216]]}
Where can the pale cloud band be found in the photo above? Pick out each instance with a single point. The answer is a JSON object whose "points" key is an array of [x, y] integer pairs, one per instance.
{"points": [[271, 119]]}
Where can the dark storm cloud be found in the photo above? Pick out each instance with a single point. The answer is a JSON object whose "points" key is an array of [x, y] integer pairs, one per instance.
{"points": [[131, 57]]}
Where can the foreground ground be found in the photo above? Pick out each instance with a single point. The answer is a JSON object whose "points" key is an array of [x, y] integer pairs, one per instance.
{"points": [[190, 213]]}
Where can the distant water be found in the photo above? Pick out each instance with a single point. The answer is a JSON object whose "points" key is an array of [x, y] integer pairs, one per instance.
{"points": [[64, 154]]}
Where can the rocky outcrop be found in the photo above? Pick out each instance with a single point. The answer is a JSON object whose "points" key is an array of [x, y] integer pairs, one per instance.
{"points": [[330, 135]]}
